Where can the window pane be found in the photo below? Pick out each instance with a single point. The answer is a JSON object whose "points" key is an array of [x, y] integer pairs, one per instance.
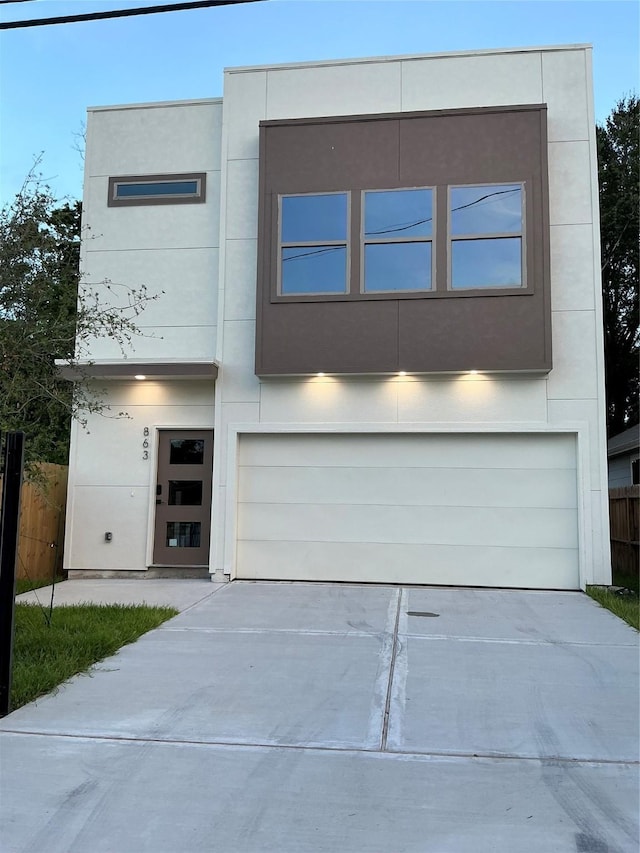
{"points": [[185, 493], [307, 218], [398, 213], [486, 210], [314, 269], [186, 451], [486, 263], [157, 188], [397, 266], [183, 534]]}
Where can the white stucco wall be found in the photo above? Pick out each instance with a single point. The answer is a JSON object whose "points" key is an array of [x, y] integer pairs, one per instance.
{"points": [[571, 396], [172, 249], [111, 484]]}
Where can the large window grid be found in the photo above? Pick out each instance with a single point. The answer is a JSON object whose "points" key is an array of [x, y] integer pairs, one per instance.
{"points": [[481, 247]]}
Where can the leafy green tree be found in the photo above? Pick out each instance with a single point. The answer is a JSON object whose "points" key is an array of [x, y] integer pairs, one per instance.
{"points": [[45, 315], [618, 169]]}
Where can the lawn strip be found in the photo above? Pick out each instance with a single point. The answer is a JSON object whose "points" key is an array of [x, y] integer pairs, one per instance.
{"points": [[626, 606], [45, 655]]}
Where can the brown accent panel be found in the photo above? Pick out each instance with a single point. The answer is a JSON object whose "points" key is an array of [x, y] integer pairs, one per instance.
{"points": [[332, 337], [321, 158], [468, 149], [479, 333], [436, 331]]}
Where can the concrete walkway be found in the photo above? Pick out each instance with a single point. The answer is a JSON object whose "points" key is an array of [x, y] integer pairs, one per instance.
{"points": [[348, 719], [168, 592]]}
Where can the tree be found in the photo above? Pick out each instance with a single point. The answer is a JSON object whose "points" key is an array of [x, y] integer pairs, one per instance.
{"points": [[45, 315], [618, 164]]}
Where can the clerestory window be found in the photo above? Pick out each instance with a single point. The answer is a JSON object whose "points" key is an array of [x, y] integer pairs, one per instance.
{"points": [[133, 190]]}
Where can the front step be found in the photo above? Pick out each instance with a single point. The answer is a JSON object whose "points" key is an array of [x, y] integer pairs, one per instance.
{"points": [[148, 574]]}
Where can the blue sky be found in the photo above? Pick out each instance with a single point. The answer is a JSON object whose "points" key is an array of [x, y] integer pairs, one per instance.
{"points": [[49, 75]]}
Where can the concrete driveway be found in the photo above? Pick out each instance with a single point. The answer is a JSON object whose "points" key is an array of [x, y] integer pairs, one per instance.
{"points": [[324, 717]]}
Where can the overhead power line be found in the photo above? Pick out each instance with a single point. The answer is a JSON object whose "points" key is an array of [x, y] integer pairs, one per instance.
{"points": [[121, 13]]}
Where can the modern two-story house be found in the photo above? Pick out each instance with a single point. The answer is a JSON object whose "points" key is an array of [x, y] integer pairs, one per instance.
{"points": [[377, 356]]}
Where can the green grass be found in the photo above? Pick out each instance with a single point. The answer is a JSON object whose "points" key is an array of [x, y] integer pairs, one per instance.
{"points": [[45, 655], [627, 606]]}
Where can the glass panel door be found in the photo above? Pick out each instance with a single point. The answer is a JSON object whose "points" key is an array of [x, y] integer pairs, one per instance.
{"points": [[183, 498]]}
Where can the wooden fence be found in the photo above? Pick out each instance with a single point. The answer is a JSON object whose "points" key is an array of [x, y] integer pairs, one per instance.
{"points": [[623, 518], [41, 531]]}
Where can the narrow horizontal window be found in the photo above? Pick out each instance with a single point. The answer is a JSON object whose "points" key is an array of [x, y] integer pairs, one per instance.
{"points": [[486, 236], [160, 188], [313, 256], [157, 189], [397, 233]]}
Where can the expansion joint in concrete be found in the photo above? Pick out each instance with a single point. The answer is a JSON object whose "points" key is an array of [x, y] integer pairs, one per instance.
{"points": [[394, 650]]}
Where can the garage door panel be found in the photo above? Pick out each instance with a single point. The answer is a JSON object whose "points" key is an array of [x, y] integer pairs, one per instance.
{"points": [[540, 568], [414, 450], [470, 509], [501, 526], [408, 486]]}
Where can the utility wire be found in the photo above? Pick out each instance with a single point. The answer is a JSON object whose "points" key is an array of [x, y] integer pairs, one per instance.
{"points": [[403, 226], [313, 252], [119, 13]]}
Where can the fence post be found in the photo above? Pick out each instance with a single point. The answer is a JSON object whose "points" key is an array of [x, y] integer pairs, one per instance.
{"points": [[9, 519]]}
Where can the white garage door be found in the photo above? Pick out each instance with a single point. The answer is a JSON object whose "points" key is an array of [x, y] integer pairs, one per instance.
{"points": [[474, 510]]}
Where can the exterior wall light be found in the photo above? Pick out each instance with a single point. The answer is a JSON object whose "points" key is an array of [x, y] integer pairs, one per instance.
{"points": [[402, 373], [320, 374], [139, 376]]}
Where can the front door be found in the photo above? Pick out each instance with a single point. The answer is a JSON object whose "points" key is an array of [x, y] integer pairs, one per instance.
{"points": [[183, 498]]}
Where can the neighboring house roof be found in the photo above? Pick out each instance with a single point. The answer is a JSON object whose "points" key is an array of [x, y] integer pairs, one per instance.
{"points": [[624, 442]]}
